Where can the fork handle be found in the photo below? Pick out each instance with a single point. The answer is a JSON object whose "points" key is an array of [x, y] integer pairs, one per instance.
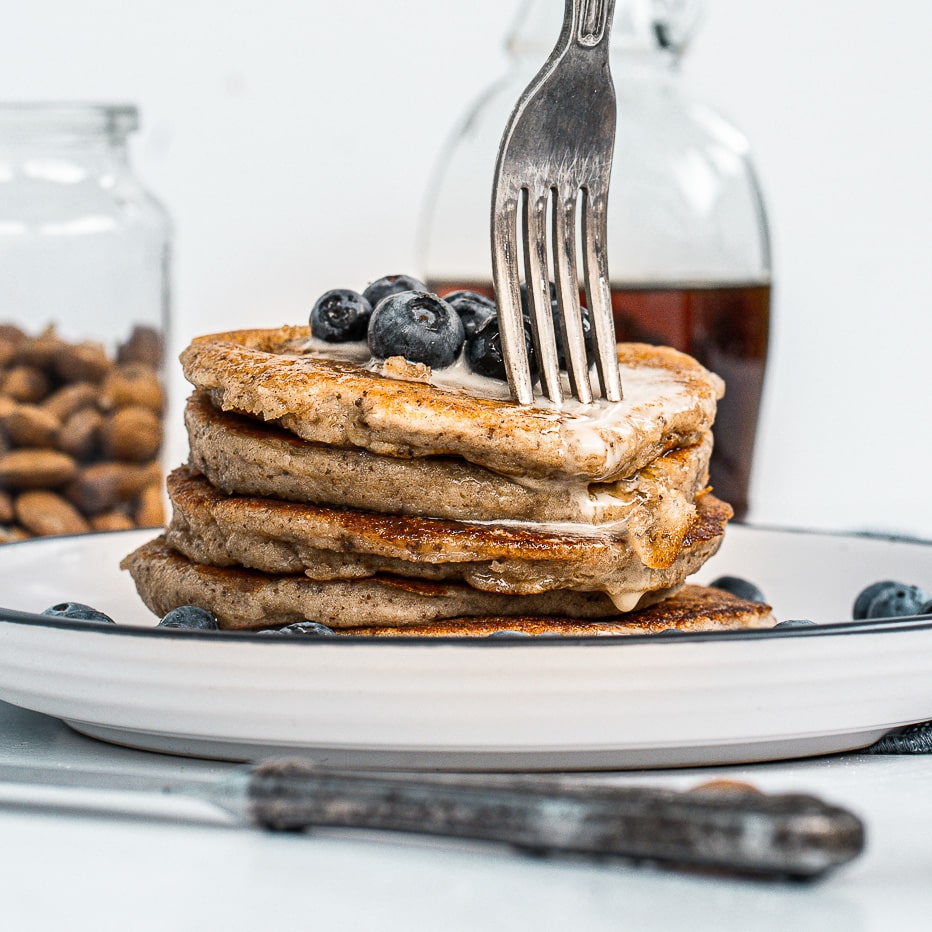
{"points": [[588, 22]]}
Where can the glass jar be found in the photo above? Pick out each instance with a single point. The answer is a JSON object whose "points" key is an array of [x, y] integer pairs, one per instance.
{"points": [[689, 255], [84, 266]]}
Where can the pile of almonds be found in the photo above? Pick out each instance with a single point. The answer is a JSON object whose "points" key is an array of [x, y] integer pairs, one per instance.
{"points": [[80, 434]]}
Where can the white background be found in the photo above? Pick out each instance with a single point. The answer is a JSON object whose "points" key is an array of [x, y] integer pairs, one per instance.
{"points": [[291, 142]]}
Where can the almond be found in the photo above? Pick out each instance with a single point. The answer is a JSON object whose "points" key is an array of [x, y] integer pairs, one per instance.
{"points": [[132, 384], [105, 486], [112, 521], [8, 350], [12, 334], [63, 404], [68, 399], [133, 434], [36, 469], [82, 362], [9, 535], [41, 351], [144, 346], [30, 426], [25, 383], [6, 508], [80, 434], [44, 513]]}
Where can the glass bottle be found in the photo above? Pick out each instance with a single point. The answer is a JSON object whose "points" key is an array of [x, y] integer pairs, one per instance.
{"points": [[84, 292], [689, 253]]}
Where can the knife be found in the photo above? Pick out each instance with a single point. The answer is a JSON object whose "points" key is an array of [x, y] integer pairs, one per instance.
{"points": [[740, 831]]}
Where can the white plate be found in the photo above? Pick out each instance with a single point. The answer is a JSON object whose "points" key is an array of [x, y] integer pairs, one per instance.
{"points": [[524, 703]]}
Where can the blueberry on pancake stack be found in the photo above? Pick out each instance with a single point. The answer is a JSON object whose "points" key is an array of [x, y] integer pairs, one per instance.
{"points": [[370, 473]]}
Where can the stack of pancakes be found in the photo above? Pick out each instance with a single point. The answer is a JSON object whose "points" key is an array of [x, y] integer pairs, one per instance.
{"points": [[386, 499]]}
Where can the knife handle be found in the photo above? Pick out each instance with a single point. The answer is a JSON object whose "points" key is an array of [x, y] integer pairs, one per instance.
{"points": [[743, 832]]}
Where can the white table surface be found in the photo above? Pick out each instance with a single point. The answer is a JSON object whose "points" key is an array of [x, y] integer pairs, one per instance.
{"points": [[78, 871]]}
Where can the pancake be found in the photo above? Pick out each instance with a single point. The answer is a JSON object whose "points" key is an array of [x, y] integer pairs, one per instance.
{"points": [[324, 542], [249, 600], [276, 375], [377, 496], [244, 599], [247, 457], [692, 608]]}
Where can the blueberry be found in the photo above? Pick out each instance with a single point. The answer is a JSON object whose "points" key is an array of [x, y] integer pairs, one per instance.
{"points": [[896, 601], [925, 609], [525, 304], [509, 633], [190, 617], [796, 623], [76, 611], [586, 329], [484, 351], [419, 326], [739, 587], [303, 628], [389, 285], [555, 312], [474, 309], [340, 316], [866, 596]]}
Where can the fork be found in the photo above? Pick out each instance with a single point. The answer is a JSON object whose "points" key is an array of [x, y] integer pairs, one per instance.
{"points": [[559, 142]]}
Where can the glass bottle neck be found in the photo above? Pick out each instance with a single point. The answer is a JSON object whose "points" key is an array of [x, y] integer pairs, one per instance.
{"points": [[650, 30]]}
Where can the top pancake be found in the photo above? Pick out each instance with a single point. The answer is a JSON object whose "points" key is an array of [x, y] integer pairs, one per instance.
{"points": [[670, 402]]}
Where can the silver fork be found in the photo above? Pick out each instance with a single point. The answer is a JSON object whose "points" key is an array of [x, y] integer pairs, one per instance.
{"points": [[559, 142]]}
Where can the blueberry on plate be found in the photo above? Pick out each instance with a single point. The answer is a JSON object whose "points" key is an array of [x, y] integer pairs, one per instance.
{"points": [[739, 587], [796, 623], [313, 629], [867, 595], [389, 285], [509, 633], [419, 326], [189, 617], [484, 351], [340, 316], [474, 309], [77, 611], [896, 601]]}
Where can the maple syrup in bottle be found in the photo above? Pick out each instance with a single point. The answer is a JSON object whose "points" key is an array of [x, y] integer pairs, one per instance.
{"points": [[688, 246]]}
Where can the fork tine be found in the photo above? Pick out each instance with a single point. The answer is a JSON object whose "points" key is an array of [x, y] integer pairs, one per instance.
{"points": [[538, 292], [598, 293], [564, 247], [505, 278]]}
